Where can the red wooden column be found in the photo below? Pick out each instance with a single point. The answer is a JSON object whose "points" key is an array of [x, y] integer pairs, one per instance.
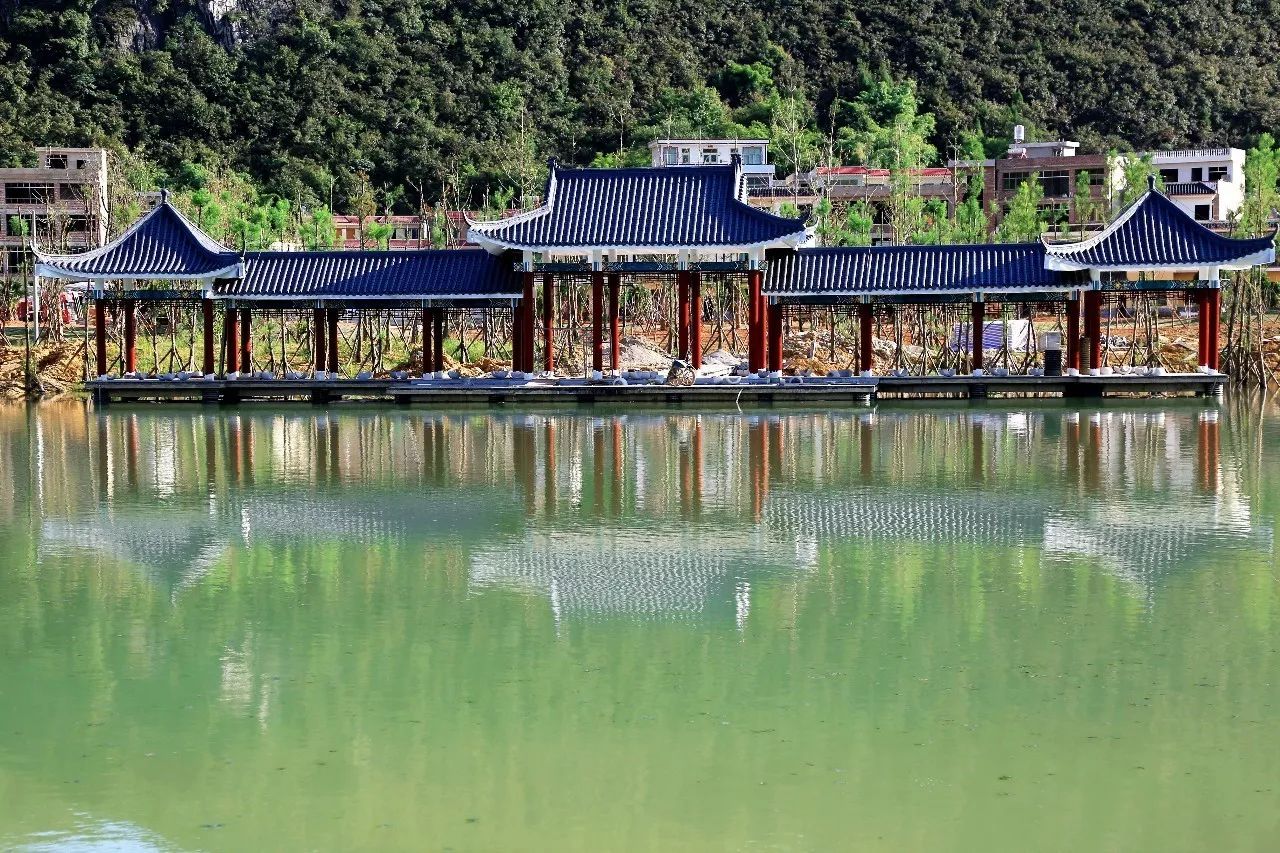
{"points": [[527, 324], [615, 327], [755, 320], [1073, 333], [1093, 325], [230, 340], [208, 365], [437, 339], [1202, 326], [695, 319], [682, 314], [1214, 298], [332, 362], [866, 354], [320, 350], [548, 321], [597, 320], [775, 337], [246, 339], [975, 334], [100, 335], [130, 336]]}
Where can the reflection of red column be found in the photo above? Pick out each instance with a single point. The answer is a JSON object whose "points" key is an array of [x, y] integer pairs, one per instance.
{"points": [[548, 321], [231, 340], [695, 319], [697, 464], [1093, 455], [616, 486], [615, 321], [975, 334], [130, 336], [686, 480], [755, 465], [210, 454], [866, 355], [979, 462], [597, 468], [104, 460], [549, 471], [1073, 333], [207, 364], [1211, 455], [1072, 449], [524, 459], [246, 340], [132, 450], [865, 456], [247, 428], [100, 335], [1214, 298], [597, 320], [682, 314], [775, 337]]}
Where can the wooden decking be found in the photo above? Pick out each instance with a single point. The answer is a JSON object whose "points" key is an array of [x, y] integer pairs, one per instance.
{"points": [[858, 391]]}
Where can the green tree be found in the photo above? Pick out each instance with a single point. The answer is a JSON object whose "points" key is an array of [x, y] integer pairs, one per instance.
{"points": [[1025, 220], [1261, 174], [1136, 172]]}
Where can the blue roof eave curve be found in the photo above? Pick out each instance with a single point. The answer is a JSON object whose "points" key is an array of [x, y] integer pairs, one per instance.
{"points": [[1153, 233]]}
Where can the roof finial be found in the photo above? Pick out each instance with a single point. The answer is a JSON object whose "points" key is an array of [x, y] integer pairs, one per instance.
{"points": [[164, 195], [1151, 183]]}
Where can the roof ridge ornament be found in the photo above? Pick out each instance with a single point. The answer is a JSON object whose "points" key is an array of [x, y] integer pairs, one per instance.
{"points": [[1151, 182]]}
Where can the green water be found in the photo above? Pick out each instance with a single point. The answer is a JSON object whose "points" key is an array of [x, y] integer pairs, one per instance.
{"points": [[988, 628]]}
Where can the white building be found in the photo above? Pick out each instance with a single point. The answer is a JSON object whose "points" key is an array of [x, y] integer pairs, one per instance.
{"points": [[756, 167], [1207, 183], [64, 195]]}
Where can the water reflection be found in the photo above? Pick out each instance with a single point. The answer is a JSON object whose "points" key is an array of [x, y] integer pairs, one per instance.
{"points": [[653, 515]]}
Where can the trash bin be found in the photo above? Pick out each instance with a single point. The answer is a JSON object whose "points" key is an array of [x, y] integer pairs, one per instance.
{"points": [[1051, 346]]}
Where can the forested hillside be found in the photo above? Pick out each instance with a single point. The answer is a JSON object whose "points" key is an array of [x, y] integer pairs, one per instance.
{"points": [[308, 97]]}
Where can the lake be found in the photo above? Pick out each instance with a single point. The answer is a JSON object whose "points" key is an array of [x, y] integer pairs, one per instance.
{"points": [[1020, 626]]}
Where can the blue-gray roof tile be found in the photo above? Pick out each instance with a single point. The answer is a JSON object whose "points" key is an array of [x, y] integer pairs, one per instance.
{"points": [[424, 274], [661, 208], [872, 270]]}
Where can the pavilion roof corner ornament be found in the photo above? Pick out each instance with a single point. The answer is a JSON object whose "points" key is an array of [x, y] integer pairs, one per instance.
{"points": [[1153, 233]]}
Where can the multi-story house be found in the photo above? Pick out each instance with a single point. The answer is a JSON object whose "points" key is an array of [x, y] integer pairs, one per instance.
{"points": [[64, 196], [1207, 183], [756, 168]]}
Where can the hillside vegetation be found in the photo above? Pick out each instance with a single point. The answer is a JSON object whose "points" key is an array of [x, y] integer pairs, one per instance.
{"points": [[427, 100]]}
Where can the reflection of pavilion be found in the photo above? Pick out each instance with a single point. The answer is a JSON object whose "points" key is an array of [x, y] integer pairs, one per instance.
{"points": [[635, 572], [175, 548]]}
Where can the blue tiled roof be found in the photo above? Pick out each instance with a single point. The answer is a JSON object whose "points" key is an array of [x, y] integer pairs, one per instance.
{"points": [[1155, 232], [163, 245], [425, 274], [873, 270], [660, 208]]}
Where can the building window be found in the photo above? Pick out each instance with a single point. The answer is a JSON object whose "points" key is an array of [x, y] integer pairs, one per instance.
{"points": [[709, 155], [1217, 173], [1169, 176], [28, 193], [1203, 212], [669, 155], [1010, 181], [1095, 176], [753, 155], [1197, 173], [1056, 183], [57, 161], [686, 156]]}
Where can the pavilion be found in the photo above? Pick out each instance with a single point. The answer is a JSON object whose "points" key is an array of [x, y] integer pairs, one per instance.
{"points": [[610, 226]]}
